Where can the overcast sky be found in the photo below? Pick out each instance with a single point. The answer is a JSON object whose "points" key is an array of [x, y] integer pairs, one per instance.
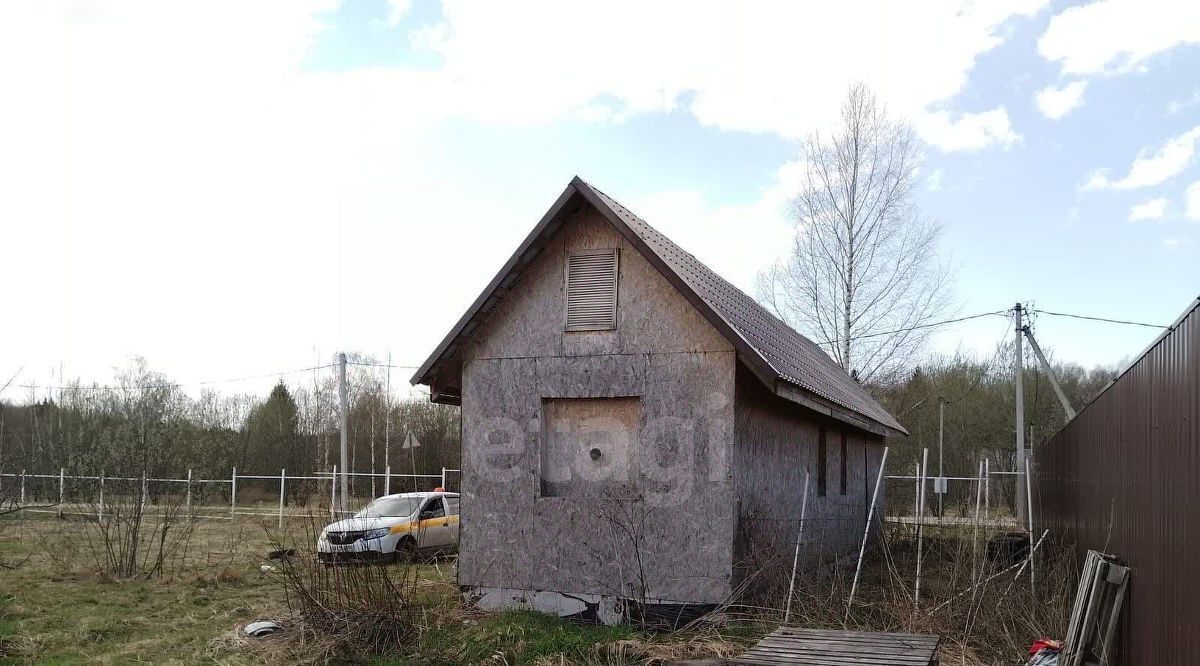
{"points": [[238, 188]]}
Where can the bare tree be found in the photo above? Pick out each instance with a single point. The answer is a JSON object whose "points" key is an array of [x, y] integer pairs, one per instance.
{"points": [[863, 276]]}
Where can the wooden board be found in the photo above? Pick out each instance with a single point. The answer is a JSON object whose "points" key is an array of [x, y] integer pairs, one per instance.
{"points": [[822, 647]]}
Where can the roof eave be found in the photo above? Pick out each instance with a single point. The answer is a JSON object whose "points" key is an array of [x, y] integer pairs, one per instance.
{"points": [[789, 391]]}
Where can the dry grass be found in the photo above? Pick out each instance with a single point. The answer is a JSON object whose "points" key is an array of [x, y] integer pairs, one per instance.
{"points": [[981, 623], [61, 608]]}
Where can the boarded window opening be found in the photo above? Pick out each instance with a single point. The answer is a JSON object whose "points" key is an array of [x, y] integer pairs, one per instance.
{"points": [[842, 480], [589, 446], [592, 290], [822, 462]]}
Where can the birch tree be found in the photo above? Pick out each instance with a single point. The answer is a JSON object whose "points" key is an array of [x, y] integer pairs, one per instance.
{"points": [[863, 278]]}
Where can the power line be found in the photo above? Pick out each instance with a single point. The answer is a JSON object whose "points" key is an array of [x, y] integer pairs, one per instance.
{"points": [[97, 387], [382, 365], [1001, 313], [1103, 319]]}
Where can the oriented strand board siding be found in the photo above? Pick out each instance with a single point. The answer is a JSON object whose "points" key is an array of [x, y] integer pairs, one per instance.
{"points": [[589, 447], [661, 350], [777, 443]]}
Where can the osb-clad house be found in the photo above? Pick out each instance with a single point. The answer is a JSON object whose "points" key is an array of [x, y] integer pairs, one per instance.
{"points": [[636, 430]]}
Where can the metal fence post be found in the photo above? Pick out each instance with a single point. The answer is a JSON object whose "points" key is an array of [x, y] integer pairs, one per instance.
{"points": [[100, 510], [443, 478], [187, 502], [282, 482], [61, 481], [387, 480], [987, 489], [22, 487], [333, 494], [232, 493]]}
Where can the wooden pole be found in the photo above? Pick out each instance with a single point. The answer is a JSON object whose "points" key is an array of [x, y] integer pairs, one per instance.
{"points": [[787, 613], [866, 532]]}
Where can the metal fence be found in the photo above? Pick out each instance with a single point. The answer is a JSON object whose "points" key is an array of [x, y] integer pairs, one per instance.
{"points": [[1123, 477], [968, 500], [84, 494]]}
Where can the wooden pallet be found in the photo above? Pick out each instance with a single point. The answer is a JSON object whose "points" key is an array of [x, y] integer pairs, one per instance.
{"points": [[821, 647]]}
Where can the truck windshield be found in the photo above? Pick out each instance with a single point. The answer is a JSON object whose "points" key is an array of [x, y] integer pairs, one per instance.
{"points": [[390, 507]]}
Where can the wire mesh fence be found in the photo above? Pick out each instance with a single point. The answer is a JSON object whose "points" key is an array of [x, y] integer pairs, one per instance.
{"points": [[280, 495]]}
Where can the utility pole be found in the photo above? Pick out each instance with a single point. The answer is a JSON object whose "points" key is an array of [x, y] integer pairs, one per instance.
{"points": [[1019, 371], [343, 416], [941, 428]]}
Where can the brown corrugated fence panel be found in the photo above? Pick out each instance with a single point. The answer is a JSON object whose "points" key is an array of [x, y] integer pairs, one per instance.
{"points": [[1123, 477]]}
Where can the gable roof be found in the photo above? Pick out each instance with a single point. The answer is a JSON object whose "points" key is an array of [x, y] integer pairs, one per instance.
{"points": [[788, 363]]}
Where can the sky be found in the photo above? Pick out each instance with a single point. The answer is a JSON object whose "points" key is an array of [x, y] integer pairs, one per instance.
{"points": [[233, 189]]}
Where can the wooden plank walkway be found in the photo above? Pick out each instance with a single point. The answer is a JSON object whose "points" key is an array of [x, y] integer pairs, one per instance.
{"points": [[825, 647]]}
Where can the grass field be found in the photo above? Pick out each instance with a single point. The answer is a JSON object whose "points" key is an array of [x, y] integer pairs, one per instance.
{"points": [[55, 608]]}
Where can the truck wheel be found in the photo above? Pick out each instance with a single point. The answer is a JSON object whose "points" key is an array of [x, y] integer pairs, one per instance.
{"points": [[406, 551]]}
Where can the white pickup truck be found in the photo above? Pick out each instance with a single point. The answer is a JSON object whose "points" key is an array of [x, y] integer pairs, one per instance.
{"points": [[394, 528]]}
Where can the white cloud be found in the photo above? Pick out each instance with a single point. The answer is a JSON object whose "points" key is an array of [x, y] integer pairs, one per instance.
{"points": [[933, 182], [970, 131], [1154, 209], [182, 159], [1118, 35], [1176, 106], [397, 10], [750, 67], [1191, 201], [1056, 102], [1152, 169]]}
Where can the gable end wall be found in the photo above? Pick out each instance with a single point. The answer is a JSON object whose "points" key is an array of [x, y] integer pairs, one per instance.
{"points": [[662, 351]]}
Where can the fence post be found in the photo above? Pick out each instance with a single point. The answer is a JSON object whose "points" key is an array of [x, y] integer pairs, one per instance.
{"points": [[443, 478], [333, 495], [187, 502], [282, 481], [100, 510], [232, 493], [61, 480], [143, 506], [921, 526], [987, 489], [22, 487], [867, 530], [387, 480]]}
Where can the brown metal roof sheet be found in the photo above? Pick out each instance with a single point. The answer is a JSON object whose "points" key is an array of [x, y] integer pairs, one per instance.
{"points": [[774, 350]]}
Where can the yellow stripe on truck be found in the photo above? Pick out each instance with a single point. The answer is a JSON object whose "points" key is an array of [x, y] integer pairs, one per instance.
{"points": [[428, 522]]}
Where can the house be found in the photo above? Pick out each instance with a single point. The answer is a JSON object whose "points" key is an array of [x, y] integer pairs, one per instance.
{"points": [[1122, 478], [636, 431]]}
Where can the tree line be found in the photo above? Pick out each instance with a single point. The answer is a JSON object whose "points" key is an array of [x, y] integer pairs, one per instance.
{"points": [[979, 405], [144, 422]]}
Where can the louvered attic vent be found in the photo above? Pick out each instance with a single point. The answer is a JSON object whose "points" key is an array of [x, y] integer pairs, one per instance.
{"points": [[592, 290]]}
